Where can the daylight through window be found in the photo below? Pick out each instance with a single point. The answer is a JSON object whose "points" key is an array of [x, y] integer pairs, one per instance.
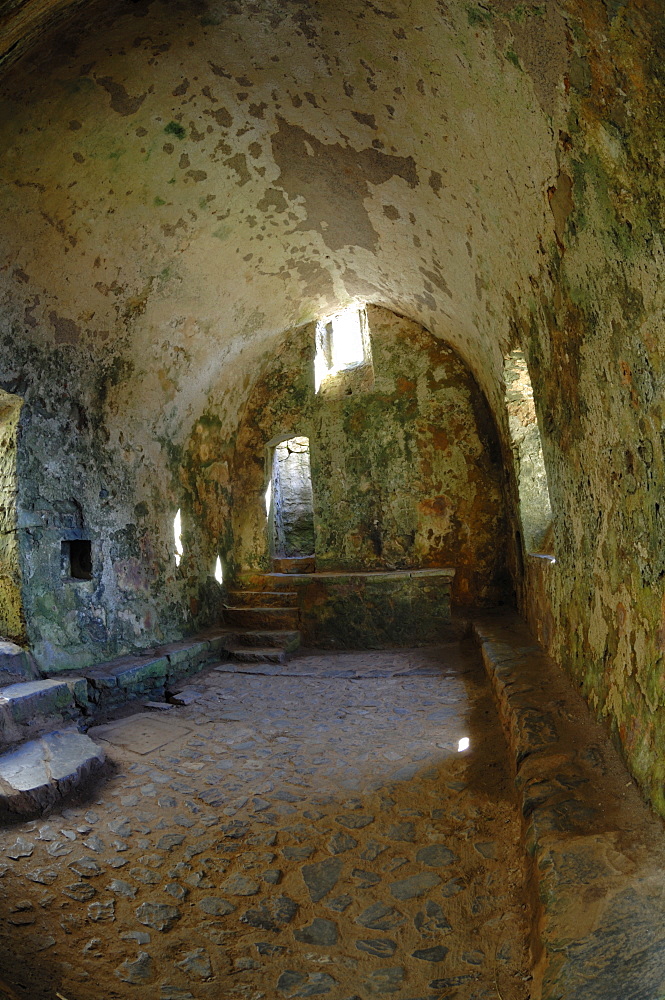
{"points": [[342, 342]]}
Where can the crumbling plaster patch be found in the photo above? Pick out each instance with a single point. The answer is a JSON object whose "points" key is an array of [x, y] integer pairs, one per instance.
{"points": [[178, 223]]}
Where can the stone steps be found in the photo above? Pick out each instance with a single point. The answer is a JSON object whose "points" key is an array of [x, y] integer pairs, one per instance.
{"points": [[16, 664], [250, 654], [286, 639], [262, 618], [31, 707], [299, 564], [269, 646], [263, 598], [37, 774]]}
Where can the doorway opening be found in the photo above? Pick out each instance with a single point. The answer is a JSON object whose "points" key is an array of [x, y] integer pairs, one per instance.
{"points": [[290, 500]]}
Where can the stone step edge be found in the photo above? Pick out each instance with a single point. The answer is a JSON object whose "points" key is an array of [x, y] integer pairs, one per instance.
{"points": [[258, 609], [40, 773], [560, 785], [30, 708], [275, 638], [251, 654], [111, 684], [15, 693], [253, 592]]}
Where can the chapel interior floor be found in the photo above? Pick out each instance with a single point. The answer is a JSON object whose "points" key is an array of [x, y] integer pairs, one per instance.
{"points": [[308, 833]]}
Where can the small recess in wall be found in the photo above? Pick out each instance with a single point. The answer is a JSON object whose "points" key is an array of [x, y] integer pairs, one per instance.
{"points": [[77, 559]]}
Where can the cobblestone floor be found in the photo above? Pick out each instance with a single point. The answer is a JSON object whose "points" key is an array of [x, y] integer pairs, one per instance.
{"points": [[306, 834]]}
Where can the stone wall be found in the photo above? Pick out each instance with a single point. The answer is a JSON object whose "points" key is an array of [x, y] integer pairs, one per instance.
{"points": [[182, 183], [593, 335], [76, 478], [406, 469], [12, 623]]}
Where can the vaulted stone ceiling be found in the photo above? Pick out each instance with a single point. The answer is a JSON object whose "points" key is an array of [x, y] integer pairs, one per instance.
{"points": [[184, 181]]}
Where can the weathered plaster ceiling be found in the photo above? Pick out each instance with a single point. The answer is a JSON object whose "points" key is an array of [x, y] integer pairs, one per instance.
{"points": [[182, 182]]}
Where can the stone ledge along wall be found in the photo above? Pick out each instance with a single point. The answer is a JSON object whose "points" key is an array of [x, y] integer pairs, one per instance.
{"points": [[406, 472]]}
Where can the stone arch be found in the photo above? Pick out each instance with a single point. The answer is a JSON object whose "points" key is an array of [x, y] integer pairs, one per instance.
{"points": [[407, 468]]}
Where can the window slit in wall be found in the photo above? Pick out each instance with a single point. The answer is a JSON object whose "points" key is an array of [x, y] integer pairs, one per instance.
{"points": [[533, 489], [342, 344], [268, 496], [177, 537]]}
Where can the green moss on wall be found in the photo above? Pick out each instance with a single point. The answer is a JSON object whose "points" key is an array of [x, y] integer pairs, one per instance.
{"points": [[406, 469]]}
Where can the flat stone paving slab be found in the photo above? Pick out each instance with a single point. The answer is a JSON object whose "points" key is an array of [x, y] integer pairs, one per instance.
{"points": [[140, 733], [310, 835]]}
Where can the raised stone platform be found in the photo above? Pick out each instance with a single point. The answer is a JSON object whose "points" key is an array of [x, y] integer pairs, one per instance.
{"points": [[598, 852], [368, 610]]}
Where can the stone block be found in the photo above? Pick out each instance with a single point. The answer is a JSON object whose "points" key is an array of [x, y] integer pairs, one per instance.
{"points": [[16, 663], [216, 644], [25, 707], [109, 685], [39, 773], [187, 659], [187, 654], [142, 673], [46, 697], [79, 689]]}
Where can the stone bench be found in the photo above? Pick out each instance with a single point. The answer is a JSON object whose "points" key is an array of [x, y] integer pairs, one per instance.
{"points": [[150, 674]]}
